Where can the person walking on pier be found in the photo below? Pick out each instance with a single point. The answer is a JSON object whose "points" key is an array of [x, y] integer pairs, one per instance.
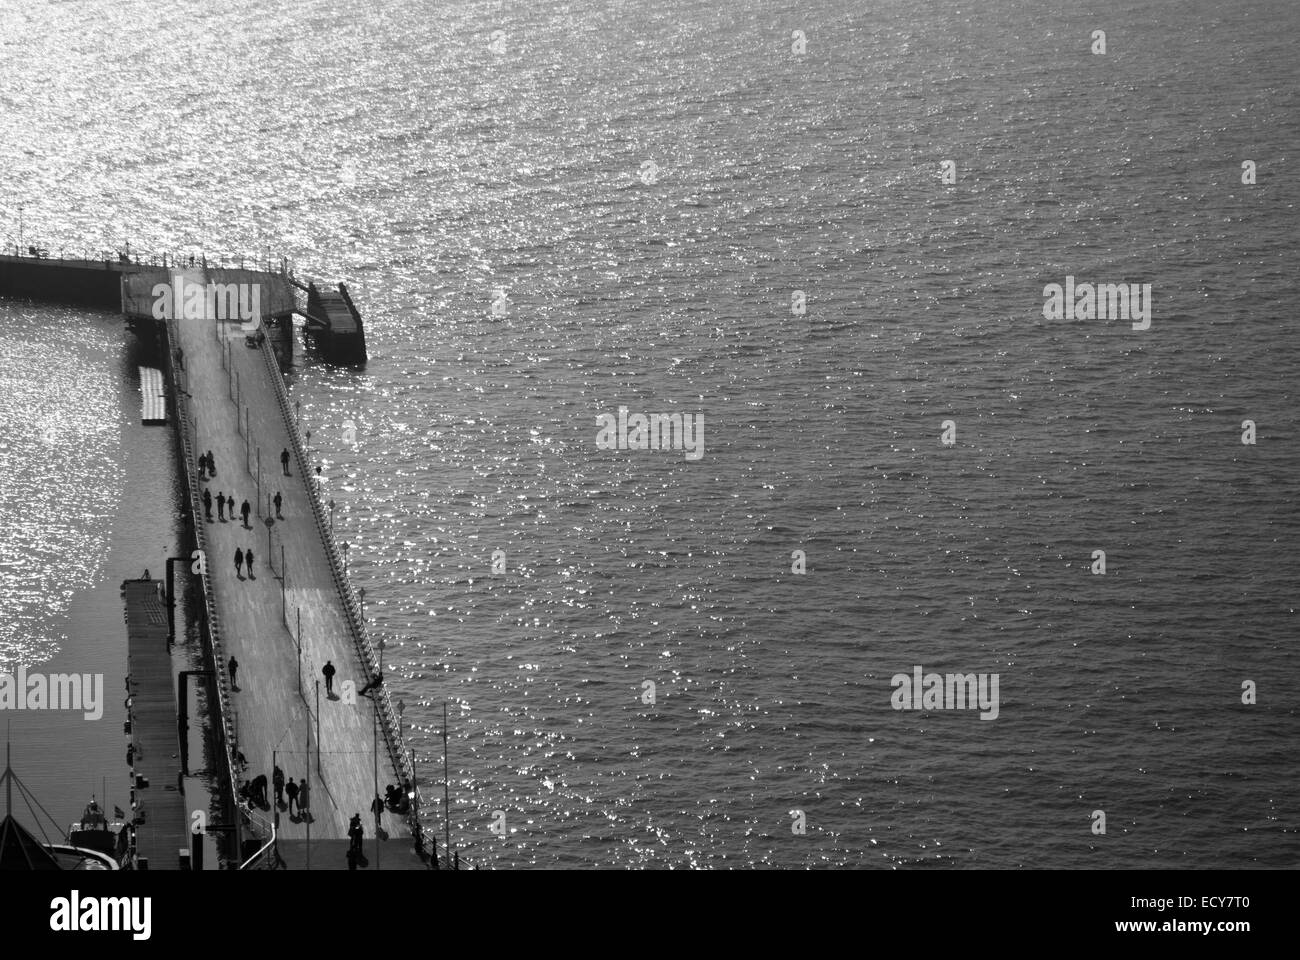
{"points": [[278, 500], [248, 562], [291, 791], [207, 503], [355, 833], [230, 508], [377, 808], [329, 671], [277, 781], [239, 562], [244, 511], [203, 465], [221, 505], [304, 798], [232, 666], [212, 465], [284, 461]]}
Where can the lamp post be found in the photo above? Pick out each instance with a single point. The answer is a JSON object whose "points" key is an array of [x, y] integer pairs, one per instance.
{"points": [[374, 697], [361, 596], [331, 518], [346, 548]]}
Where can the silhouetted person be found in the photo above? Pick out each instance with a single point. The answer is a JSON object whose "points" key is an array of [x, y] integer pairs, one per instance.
{"points": [[372, 685], [277, 501], [304, 796], [232, 666], [207, 503], [212, 464], [284, 460], [248, 562], [352, 858], [355, 832], [291, 791], [221, 505], [180, 354], [230, 507], [377, 808], [239, 562], [329, 671], [203, 465], [244, 511], [259, 790]]}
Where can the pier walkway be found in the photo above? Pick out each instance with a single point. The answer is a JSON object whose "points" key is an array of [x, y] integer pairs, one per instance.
{"points": [[162, 828], [289, 617]]}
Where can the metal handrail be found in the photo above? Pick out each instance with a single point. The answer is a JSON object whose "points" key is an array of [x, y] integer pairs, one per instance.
{"points": [[266, 846]]}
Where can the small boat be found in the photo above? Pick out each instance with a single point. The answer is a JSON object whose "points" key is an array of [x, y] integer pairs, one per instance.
{"points": [[94, 831], [93, 843]]}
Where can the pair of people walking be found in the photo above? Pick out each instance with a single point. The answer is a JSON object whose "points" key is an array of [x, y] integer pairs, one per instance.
{"points": [[207, 463], [225, 504], [244, 558], [299, 794]]}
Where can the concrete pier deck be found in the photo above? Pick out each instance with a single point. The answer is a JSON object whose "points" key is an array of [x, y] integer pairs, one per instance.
{"points": [[233, 404]]}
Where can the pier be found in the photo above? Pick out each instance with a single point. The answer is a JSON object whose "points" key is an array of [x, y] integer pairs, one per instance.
{"points": [[294, 611], [157, 803], [282, 618]]}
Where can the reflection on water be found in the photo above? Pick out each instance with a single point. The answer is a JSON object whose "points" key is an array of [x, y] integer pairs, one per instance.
{"points": [[61, 475]]}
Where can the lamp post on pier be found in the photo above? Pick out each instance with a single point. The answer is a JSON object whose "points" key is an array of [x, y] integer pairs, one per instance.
{"points": [[346, 547], [361, 596], [331, 518]]}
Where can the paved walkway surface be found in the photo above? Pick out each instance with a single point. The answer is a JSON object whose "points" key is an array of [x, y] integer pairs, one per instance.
{"points": [[275, 685]]}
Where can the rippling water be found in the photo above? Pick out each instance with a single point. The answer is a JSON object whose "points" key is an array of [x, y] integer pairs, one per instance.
{"points": [[397, 149]]}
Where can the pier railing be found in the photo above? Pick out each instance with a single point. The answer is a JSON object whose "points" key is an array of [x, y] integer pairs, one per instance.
{"points": [[145, 258], [216, 646], [352, 608]]}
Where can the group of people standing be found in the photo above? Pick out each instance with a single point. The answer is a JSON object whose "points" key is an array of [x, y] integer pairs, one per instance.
{"points": [[291, 795], [226, 505]]}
